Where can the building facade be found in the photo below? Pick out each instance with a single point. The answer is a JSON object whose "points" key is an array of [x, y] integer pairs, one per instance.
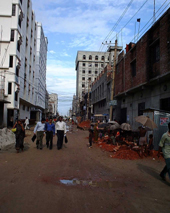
{"points": [[142, 78], [53, 104], [19, 60], [89, 64], [101, 92]]}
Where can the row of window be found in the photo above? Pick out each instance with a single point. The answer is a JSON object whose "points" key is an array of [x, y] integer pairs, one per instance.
{"points": [[90, 64], [96, 57], [89, 72]]}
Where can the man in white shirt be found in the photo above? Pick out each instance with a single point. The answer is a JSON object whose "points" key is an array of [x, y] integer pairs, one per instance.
{"points": [[26, 123], [61, 131], [39, 128]]}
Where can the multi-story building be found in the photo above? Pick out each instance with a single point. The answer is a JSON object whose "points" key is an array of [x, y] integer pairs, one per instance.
{"points": [[142, 77], [89, 64], [53, 104], [20, 59], [101, 92]]}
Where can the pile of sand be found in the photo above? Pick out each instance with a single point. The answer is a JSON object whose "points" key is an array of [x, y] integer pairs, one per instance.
{"points": [[6, 137]]}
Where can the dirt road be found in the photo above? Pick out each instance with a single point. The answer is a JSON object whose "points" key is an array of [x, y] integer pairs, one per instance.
{"points": [[77, 179]]}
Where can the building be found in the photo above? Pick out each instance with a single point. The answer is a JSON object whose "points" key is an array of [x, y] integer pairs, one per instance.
{"points": [[142, 78], [101, 92], [21, 61], [89, 65], [53, 104]]}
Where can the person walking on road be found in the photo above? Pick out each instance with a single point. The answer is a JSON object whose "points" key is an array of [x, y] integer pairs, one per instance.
{"points": [[164, 145], [61, 131], [19, 135], [50, 133], [39, 129], [26, 123]]}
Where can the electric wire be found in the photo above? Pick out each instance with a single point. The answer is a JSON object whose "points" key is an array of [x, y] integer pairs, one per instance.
{"points": [[130, 19], [116, 24]]}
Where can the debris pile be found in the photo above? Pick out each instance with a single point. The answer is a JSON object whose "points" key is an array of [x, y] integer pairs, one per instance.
{"points": [[6, 137], [84, 125]]}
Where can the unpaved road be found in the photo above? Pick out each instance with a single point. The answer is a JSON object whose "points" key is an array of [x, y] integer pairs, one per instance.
{"points": [[35, 181]]}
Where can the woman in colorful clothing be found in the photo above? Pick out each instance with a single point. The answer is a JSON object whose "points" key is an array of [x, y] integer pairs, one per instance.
{"points": [[19, 135]]}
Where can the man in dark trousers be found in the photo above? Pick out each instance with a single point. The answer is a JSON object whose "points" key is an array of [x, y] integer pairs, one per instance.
{"points": [[50, 133], [61, 131]]}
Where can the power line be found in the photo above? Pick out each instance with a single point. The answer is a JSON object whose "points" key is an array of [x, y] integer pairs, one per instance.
{"points": [[118, 21], [113, 38], [145, 28]]}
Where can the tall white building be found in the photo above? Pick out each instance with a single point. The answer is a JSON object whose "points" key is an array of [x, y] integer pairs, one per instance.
{"points": [[53, 104], [23, 50], [89, 64]]}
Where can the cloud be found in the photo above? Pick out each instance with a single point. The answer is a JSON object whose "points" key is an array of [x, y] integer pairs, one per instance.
{"points": [[52, 52]]}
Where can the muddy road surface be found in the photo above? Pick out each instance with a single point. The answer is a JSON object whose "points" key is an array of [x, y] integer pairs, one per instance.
{"points": [[77, 179]]}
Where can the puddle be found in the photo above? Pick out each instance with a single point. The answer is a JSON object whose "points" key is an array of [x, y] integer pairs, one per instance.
{"points": [[104, 184]]}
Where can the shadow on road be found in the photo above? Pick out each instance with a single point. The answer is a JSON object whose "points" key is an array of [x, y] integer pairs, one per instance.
{"points": [[152, 172]]}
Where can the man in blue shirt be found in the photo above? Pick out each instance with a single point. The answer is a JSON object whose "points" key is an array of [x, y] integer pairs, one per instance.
{"points": [[50, 133]]}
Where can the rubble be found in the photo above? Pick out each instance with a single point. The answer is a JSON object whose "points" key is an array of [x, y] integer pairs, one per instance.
{"points": [[7, 137]]}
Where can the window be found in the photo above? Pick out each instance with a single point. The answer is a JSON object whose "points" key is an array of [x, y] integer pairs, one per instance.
{"points": [[90, 57], [84, 57], [141, 107], [9, 88], [133, 68], [102, 58], [90, 64], [89, 71], [13, 9], [11, 61], [165, 104], [108, 58], [84, 64], [23, 107], [96, 65], [16, 96], [83, 85], [102, 65], [28, 108], [96, 57], [83, 71], [18, 46], [19, 21], [96, 72], [21, 1], [89, 79], [83, 78], [17, 71], [156, 52], [12, 35]]}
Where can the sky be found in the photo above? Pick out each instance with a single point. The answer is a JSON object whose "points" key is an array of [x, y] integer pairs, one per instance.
{"points": [[75, 25]]}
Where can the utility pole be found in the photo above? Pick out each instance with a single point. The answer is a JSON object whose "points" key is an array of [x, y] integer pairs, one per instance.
{"points": [[113, 80]]}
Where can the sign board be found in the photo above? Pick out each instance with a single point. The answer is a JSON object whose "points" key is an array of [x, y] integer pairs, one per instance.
{"points": [[164, 121], [113, 103]]}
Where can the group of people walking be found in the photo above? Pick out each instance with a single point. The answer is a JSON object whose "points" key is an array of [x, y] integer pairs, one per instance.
{"points": [[50, 129], [42, 128]]}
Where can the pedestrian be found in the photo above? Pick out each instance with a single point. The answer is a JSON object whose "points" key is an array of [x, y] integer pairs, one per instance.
{"points": [[164, 145], [26, 123], [61, 132], [39, 129], [90, 138], [50, 133], [150, 145], [19, 135], [96, 132]]}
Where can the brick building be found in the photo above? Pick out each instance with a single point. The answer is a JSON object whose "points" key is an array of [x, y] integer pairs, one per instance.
{"points": [[142, 77]]}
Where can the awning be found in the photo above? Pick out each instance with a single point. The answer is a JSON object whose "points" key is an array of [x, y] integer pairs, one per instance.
{"points": [[98, 115]]}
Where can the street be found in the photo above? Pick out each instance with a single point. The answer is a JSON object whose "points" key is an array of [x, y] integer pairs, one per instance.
{"points": [[77, 179]]}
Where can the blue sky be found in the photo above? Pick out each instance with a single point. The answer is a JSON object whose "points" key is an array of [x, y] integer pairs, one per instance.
{"points": [[83, 25]]}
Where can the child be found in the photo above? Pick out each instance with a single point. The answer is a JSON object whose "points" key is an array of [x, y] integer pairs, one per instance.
{"points": [[90, 138]]}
